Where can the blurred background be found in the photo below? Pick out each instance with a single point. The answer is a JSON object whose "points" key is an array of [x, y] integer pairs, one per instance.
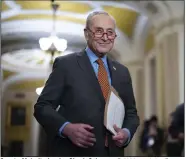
{"points": [[150, 43]]}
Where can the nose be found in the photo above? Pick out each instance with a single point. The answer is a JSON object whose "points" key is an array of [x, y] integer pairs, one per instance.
{"points": [[105, 37]]}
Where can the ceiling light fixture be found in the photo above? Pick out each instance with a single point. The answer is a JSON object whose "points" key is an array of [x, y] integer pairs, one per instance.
{"points": [[52, 43]]}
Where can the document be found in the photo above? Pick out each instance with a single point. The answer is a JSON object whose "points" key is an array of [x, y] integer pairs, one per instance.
{"points": [[114, 111]]}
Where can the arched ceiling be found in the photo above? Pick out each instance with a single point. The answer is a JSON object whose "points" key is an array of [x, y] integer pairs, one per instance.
{"points": [[164, 12], [76, 12], [24, 22], [21, 17]]}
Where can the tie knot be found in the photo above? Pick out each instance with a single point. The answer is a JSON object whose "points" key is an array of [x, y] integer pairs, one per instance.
{"points": [[99, 61]]}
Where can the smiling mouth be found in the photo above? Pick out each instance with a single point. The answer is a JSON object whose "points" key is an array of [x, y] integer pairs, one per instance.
{"points": [[103, 43]]}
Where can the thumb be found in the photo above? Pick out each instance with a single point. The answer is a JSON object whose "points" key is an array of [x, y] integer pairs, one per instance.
{"points": [[116, 128]]}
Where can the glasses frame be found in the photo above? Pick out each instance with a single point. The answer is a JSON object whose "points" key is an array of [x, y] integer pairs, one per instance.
{"points": [[102, 34]]}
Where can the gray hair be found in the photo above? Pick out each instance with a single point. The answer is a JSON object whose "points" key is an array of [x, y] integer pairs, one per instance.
{"points": [[92, 14]]}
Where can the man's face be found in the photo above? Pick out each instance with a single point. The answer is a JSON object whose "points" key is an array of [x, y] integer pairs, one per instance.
{"points": [[99, 25]]}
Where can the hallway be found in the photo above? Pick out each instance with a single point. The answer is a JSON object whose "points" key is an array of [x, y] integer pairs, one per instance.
{"points": [[150, 43]]}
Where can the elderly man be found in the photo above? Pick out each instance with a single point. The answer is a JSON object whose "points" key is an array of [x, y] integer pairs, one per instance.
{"points": [[80, 84]]}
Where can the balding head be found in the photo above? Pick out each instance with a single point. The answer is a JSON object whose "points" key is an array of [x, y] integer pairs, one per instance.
{"points": [[91, 15]]}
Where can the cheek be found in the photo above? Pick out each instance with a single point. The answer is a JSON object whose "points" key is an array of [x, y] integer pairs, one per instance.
{"points": [[95, 43], [112, 42], [110, 45]]}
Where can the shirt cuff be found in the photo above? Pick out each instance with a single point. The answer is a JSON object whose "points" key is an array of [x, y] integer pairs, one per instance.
{"points": [[129, 136], [61, 129]]}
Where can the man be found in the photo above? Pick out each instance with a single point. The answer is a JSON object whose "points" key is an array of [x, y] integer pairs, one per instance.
{"points": [[154, 137], [176, 131], [143, 137], [80, 84], [176, 127]]}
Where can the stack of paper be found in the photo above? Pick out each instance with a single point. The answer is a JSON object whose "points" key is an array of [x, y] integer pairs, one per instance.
{"points": [[114, 111]]}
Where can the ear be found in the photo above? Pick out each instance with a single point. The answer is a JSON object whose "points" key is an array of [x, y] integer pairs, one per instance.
{"points": [[86, 34]]}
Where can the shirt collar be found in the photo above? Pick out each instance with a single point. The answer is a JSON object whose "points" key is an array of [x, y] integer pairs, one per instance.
{"points": [[93, 56]]}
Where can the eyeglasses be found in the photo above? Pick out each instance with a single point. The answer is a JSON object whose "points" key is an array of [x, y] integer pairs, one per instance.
{"points": [[99, 33]]}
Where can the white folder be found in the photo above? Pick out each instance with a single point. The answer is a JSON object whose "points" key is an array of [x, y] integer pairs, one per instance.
{"points": [[114, 111]]}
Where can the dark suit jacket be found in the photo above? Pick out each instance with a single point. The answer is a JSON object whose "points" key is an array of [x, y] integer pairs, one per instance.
{"points": [[177, 124], [73, 85]]}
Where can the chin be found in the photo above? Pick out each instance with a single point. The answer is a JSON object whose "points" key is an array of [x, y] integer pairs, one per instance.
{"points": [[103, 50]]}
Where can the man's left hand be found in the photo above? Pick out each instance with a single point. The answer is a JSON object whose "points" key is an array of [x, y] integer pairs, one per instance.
{"points": [[121, 137]]}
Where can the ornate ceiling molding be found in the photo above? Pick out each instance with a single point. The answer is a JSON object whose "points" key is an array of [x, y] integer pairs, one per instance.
{"points": [[75, 12]]}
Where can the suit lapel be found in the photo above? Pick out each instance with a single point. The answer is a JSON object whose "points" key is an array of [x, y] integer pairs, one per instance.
{"points": [[113, 73], [86, 66]]}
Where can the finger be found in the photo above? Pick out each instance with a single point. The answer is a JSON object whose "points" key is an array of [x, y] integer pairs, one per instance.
{"points": [[81, 145], [83, 136], [88, 139], [86, 143], [121, 141], [86, 126], [93, 140], [116, 128], [118, 137], [87, 133], [118, 144]]}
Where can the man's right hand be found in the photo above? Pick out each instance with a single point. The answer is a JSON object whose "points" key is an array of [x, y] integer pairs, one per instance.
{"points": [[80, 134]]}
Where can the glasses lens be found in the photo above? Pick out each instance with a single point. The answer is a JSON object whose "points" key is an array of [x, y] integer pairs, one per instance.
{"points": [[111, 36], [100, 33]]}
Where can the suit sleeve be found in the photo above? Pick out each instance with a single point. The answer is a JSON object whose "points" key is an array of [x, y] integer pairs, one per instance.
{"points": [[45, 107], [131, 121]]}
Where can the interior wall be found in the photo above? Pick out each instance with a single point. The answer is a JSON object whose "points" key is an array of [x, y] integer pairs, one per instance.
{"points": [[171, 75], [31, 145], [150, 85], [136, 73], [153, 84], [169, 55], [140, 104], [169, 81], [181, 62], [160, 85], [1, 79]]}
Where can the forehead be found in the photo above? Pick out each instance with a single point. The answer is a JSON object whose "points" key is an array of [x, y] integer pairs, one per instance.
{"points": [[102, 21]]}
